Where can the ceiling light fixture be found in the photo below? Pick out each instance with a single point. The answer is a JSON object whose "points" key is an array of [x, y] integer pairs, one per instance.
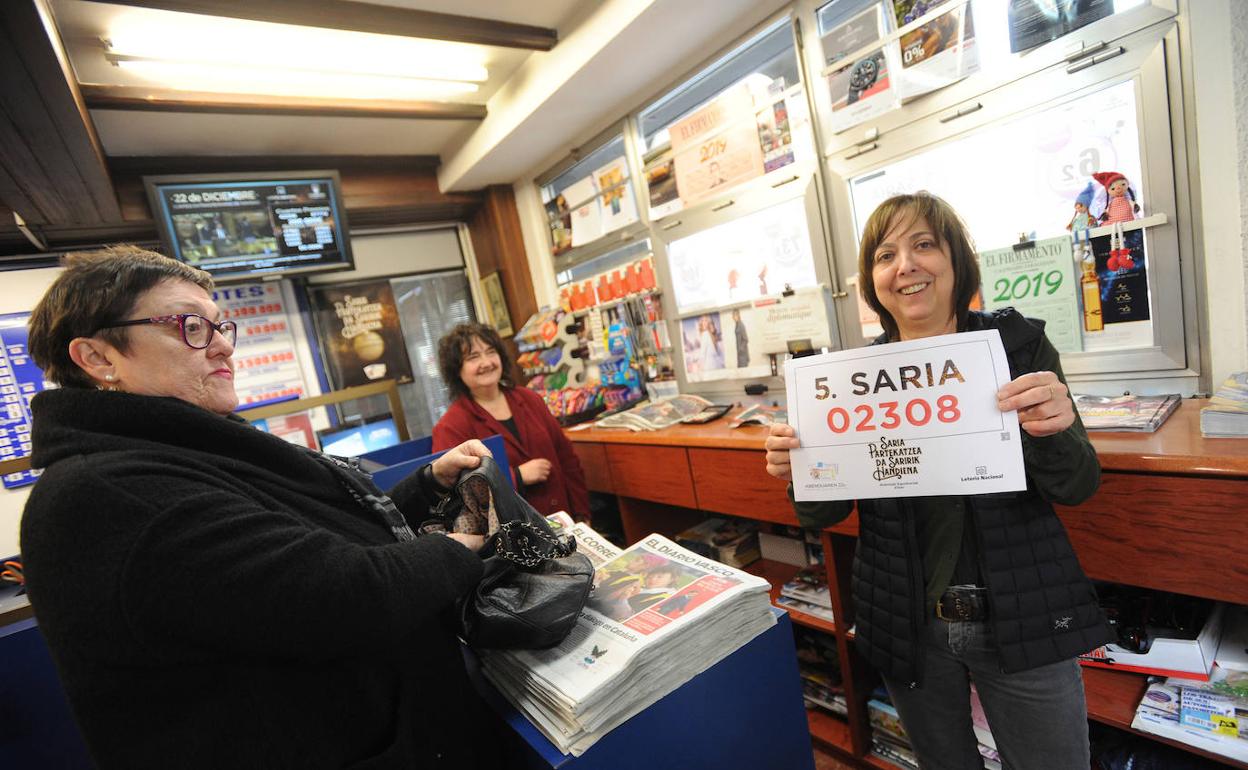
{"points": [[194, 76], [191, 52]]}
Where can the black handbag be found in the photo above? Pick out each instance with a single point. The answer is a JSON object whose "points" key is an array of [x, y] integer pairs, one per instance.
{"points": [[535, 583]]}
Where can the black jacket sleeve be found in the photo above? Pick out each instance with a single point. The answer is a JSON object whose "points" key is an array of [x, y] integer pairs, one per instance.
{"points": [[822, 513], [216, 569], [1063, 467]]}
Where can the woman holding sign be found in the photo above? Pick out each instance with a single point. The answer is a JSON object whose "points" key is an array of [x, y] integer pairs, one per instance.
{"points": [[979, 588]]}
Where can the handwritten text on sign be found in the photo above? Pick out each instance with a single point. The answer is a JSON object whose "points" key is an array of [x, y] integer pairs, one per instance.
{"points": [[901, 420]]}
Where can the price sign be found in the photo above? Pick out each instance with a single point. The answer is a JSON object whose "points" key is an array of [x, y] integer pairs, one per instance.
{"points": [[266, 368], [903, 420], [20, 380]]}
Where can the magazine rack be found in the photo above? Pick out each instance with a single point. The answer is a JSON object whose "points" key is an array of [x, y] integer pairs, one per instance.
{"points": [[744, 712]]}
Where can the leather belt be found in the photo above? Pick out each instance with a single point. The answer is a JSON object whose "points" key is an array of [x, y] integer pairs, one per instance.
{"points": [[962, 604]]}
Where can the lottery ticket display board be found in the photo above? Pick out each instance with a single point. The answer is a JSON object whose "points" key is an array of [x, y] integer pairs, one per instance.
{"points": [[904, 420], [20, 380], [266, 368]]}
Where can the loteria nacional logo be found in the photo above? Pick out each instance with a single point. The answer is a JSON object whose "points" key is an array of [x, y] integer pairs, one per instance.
{"points": [[821, 471]]}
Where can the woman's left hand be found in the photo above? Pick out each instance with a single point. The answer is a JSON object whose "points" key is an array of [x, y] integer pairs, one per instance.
{"points": [[1040, 398], [464, 457]]}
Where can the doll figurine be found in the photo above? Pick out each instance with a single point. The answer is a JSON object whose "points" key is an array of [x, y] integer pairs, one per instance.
{"points": [[1082, 220], [1121, 205]]}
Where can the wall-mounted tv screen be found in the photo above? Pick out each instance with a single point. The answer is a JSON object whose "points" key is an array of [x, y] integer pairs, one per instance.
{"points": [[250, 225]]}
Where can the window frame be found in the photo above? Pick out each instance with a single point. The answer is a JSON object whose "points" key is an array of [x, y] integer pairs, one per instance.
{"points": [[1148, 61]]}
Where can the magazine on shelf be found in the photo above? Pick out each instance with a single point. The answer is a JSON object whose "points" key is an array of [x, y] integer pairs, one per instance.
{"points": [[654, 415], [1125, 413], [797, 605], [658, 616], [1211, 715], [809, 585]]}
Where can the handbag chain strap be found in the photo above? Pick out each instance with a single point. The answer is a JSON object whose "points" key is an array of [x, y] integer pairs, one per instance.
{"points": [[527, 545]]}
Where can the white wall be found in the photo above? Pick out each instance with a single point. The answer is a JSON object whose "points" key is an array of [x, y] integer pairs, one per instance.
{"points": [[1219, 35], [399, 252], [20, 290]]}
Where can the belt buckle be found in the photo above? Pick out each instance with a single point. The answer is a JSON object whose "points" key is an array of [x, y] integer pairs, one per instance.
{"points": [[961, 611]]}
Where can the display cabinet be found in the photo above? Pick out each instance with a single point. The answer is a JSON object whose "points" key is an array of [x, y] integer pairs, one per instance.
{"points": [[1163, 519]]}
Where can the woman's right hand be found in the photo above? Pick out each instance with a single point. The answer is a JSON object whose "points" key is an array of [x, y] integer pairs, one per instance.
{"points": [[782, 439], [471, 542], [535, 471]]}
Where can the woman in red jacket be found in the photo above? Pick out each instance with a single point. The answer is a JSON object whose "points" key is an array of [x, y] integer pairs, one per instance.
{"points": [[477, 370]]}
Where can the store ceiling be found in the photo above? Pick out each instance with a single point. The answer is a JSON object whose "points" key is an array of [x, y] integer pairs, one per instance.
{"points": [[555, 71]]}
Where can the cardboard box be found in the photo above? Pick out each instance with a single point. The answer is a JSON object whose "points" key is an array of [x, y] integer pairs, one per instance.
{"points": [[729, 541], [1184, 658]]}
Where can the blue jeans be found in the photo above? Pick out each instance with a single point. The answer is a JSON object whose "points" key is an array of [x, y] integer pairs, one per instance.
{"points": [[1038, 717]]}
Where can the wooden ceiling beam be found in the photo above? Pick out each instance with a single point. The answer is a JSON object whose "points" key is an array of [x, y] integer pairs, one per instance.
{"points": [[142, 165], [107, 97], [49, 150], [365, 17]]}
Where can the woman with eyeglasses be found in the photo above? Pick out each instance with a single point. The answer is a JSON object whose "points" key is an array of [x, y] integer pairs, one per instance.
{"points": [[982, 589], [213, 596]]}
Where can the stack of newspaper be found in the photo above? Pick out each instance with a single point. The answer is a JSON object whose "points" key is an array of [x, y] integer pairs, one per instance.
{"points": [[1126, 413], [658, 616], [653, 415], [1227, 413]]}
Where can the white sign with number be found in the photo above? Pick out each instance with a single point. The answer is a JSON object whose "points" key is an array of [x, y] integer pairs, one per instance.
{"points": [[904, 420]]}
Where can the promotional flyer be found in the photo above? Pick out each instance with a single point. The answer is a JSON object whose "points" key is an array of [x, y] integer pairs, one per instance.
{"points": [[907, 419], [1039, 281], [360, 333]]}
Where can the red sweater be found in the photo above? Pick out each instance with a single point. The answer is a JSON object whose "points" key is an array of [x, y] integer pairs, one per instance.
{"points": [[540, 438]]}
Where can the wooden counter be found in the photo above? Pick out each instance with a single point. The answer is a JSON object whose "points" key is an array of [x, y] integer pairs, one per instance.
{"points": [[1175, 448], [1168, 515]]}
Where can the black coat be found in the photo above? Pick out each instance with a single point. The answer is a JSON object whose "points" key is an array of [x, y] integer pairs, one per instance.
{"points": [[214, 597]]}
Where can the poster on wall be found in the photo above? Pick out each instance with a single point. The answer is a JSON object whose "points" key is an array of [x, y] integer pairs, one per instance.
{"points": [[855, 34], [717, 147], [361, 336], [752, 256], [775, 136], [799, 320], [559, 220], [20, 380], [661, 187], [861, 90], [1035, 22], [496, 304], [1040, 282], [937, 54], [617, 205], [724, 345], [587, 216], [266, 368]]}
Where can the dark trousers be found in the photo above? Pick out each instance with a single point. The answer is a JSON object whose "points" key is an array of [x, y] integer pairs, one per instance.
{"points": [[1038, 717]]}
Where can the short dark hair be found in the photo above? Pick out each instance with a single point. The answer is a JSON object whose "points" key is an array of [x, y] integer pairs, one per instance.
{"points": [[94, 289], [947, 226], [455, 344]]}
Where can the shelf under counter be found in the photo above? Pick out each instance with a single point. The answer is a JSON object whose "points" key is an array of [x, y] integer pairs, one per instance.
{"points": [[778, 573], [830, 732], [1112, 698]]}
